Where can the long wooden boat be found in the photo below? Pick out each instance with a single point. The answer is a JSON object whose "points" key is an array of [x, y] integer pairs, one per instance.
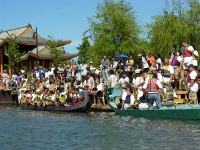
{"points": [[77, 108], [180, 111]]}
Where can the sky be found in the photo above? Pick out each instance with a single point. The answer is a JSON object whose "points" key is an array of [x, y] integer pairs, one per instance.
{"points": [[65, 19]]}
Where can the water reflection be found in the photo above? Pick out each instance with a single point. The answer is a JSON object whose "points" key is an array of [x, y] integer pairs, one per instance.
{"points": [[22, 129]]}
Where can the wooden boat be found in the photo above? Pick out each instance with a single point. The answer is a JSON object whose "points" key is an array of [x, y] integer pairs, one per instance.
{"points": [[76, 108], [178, 111]]}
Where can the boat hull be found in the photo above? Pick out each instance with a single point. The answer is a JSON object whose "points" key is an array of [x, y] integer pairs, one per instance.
{"points": [[182, 111], [77, 108]]}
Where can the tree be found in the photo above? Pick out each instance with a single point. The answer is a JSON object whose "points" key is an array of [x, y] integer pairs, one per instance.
{"points": [[55, 51], [175, 25], [12, 51], [84, 50], [113, 30]]}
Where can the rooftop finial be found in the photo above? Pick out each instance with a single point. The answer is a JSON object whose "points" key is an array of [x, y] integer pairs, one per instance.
{"points": [[29, 25]]}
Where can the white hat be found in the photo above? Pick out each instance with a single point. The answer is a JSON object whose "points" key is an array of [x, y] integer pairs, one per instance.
{"points": [[63, 93], [137, 71], [37, 90], [5, 71], [90, 62]]}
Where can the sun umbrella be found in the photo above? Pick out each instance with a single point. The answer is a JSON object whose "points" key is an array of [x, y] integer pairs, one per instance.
{"points": [[121, 56]]}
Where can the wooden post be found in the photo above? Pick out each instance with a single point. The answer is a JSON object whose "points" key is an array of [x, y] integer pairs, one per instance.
{"points": [[30, 66], [9, 69], [42, 63], [1, 60]]}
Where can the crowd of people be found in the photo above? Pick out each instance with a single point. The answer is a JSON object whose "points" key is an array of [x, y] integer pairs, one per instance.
{"points": [[62, 84]]}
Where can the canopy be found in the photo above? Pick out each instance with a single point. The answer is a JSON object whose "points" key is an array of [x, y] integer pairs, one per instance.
{"points": [[121, 56]]}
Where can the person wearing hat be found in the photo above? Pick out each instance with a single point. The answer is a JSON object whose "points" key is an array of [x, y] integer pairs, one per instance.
{"points": [[138, 80], [192, 85], [177, 64], [167, 71], [152, 87]]}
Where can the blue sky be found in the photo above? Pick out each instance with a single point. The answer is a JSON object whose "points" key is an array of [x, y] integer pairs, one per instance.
{"points": [[65, 19]]}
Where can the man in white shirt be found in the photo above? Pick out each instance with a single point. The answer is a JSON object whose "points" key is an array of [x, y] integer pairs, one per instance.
{"points": [[124, 80], [167, 71], [192, 81], [83, 71], [187, 55]]}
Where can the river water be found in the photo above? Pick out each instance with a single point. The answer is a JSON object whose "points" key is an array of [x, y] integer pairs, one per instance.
{"points": [[35, 130]]}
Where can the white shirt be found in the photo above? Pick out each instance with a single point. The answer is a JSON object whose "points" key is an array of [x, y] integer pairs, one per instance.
{"points": [[123, 81], [157, 82], [100, 87], [115, 64], [188, 59], [144, 61], [47, 74], [160, 62], [124, 94], [194, 87], [33, 97], [159, 77], [83, 69], [194, 61], [171, 70], [138, 80], [113, 79]]}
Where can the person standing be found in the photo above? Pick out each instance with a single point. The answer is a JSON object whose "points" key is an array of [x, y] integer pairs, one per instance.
{"points": [[105, 65], [152, 87], [195, 55], [192, 81], [151, 60], [83, 71], [177, 64], [129, 63], [145, 63], [112, 79], [187, 55], [167, 72]]}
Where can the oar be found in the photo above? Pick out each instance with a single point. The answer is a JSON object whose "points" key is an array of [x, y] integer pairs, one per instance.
{"points": [[175, 105], [151, 105], [188, 104]]}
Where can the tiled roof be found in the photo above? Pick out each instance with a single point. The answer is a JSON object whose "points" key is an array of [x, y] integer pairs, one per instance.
{"points": [[16, 31], [30, 40]]}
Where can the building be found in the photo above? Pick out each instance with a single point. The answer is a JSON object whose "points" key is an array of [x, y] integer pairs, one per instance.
{"points": [[26, 38]]}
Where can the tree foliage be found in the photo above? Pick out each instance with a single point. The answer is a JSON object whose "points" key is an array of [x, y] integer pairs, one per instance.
{"points": [[12, 51], [84, 50], [55, 52], [176, 24], [113, 30]]}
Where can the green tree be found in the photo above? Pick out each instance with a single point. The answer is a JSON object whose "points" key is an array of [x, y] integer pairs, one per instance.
{"points": [[84, 50], [12, 51], [176, 24], [55, 51], [113, 30]]}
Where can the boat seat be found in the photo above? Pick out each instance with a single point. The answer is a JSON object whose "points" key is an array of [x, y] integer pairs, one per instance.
{"points": [[181, 97]]}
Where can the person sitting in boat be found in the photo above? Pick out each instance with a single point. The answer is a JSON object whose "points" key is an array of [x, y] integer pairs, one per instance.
{"points": [[29, 97], [49, 99], [152, 87], [127, 98], [62, 99], [143, 99], [169, 93], [22, 97], [138, 80], [75, 97], [39, 98], [124, 80]]}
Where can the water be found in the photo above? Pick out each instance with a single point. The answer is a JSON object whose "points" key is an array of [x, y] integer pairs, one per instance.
{"points": [[24, 130]]}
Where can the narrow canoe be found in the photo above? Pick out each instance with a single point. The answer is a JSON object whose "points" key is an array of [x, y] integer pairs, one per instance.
{"points": [[77, 108], [181, 111]]}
